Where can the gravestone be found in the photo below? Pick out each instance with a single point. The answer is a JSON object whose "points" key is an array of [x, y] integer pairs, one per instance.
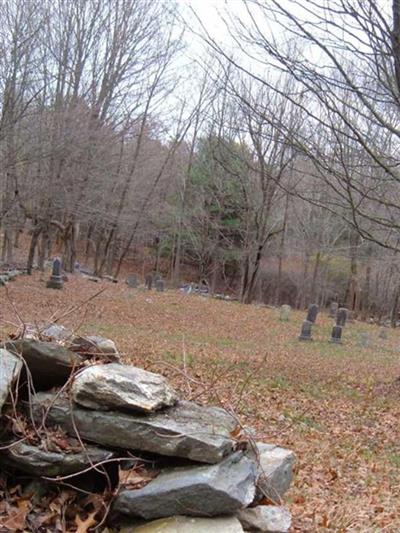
{"points": [[333, 309], [341, 316], [305, 334], [186, 288], [383, 333], [336, 335], [364, 339], [285, 313], [160, 285], [132, 281], [312, 313], [149, 281], [55, 281]]}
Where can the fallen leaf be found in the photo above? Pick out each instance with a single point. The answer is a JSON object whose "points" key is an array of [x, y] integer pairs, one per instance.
{"points": [[84, 525], [16, 520]]}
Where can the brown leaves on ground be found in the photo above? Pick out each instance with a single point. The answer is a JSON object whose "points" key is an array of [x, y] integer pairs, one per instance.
{"points": [[337, 407], [14, 515], [50, 510]]}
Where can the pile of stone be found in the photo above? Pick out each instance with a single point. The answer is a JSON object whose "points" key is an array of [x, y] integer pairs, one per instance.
{"points": [[9, 275], [199, 476]]}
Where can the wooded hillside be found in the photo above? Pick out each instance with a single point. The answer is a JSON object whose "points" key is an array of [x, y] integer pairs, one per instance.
{"points": [[267, 166]]}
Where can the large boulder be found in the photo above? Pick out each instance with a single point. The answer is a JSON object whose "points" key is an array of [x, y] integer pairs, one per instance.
{"points": [[265, 519], [275, 470], [186, 430], [49, 363], [188, 524], [222, 488], [39, 462], [10, 367], [116, 386]]}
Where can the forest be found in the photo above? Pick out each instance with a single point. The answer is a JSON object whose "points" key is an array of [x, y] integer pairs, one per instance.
{"points": [[263, 160]]}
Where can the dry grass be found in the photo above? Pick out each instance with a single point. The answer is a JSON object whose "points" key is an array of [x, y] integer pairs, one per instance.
{"points": [[337, 407]]}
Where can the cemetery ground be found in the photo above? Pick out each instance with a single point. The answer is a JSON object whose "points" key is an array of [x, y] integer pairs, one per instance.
{"points": [[336, 406]]}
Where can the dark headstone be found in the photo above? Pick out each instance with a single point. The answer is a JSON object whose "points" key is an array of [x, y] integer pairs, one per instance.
{"points": [[132, 281], [336, 335], [149, 281], [305, 334], [55, 281], [341, 316], [160, 285], [333, 309], [312, 313]]}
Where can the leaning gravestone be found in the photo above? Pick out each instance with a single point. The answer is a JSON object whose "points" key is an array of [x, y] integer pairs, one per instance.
{"points": [[333, 309], [336, 335], [132, 281], [341, 316], [285, 313], [312, 313], [55, 281], [305, 334], [160, 285]]}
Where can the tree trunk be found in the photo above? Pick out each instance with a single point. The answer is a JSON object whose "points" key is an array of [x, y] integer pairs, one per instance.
{"points": [[313, 290], [32, 248], [395, 308], [280, 254]]}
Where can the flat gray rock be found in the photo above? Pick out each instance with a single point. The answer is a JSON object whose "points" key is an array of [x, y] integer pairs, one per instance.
{"points": [[186, 430], [49, 363], [115, 386], [275, 470], [95, 345], [55, 332], [10, 367], [188, 524], [265, 519], [35, 461], [195, 491]]}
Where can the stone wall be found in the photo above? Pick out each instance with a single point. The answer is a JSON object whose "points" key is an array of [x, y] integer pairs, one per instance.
{"points": [[180, 467]]}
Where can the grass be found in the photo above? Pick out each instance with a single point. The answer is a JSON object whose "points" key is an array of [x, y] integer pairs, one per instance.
{"points": [[336, 406]]}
